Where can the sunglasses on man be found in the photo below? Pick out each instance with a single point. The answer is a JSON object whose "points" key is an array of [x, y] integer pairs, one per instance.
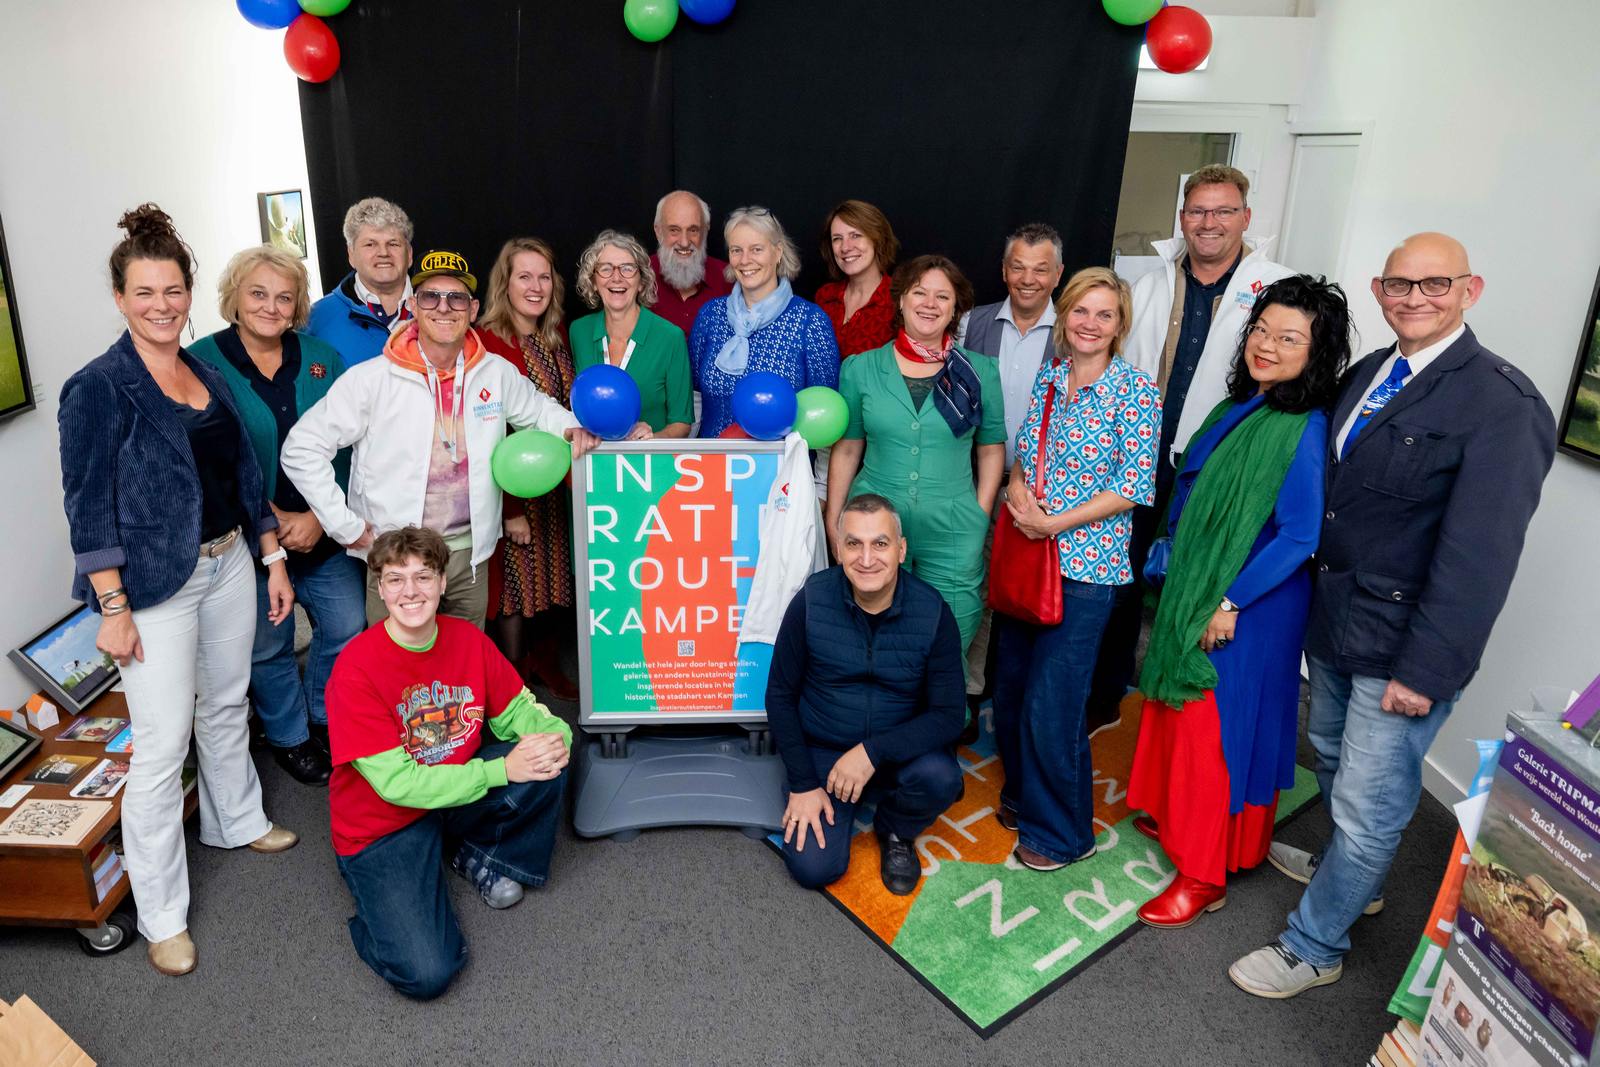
{"points": [[455, 299]]}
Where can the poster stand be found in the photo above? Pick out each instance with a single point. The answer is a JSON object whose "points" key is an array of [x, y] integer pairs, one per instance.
{"points": [[675, 734]]}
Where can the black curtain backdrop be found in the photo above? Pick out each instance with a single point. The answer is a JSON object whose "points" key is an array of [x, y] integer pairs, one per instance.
{"points": [[960, 119]]}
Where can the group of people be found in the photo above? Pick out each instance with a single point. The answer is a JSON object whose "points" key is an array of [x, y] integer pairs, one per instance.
{"points": [[1198, 437]]}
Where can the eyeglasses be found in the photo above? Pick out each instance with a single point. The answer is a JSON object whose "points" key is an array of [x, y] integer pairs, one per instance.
{"points": [[1259, 334], [605, 270], [1396, 288], [1223, 214], [455, 299], [396, 583]]}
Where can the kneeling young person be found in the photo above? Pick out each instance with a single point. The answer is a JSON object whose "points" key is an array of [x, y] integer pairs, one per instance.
{"points": [[409, 702], [866, 695]]}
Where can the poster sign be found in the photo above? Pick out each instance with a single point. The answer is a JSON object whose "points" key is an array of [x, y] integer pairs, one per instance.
{"points": [[666, 546]]}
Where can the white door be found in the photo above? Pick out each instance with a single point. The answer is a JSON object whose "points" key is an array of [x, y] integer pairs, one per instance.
{"points": [[1320, 181]]}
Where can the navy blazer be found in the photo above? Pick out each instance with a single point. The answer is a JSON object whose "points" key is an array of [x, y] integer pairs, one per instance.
{"points": [[132, 493], [1425, 518]]}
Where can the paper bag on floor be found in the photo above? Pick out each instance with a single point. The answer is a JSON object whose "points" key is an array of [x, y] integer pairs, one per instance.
{"points": [[30, 1038]]}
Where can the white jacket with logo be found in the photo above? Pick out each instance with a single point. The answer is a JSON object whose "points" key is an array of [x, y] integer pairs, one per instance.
{"points": [[387, 413], [1152, 318], [792, 545]]}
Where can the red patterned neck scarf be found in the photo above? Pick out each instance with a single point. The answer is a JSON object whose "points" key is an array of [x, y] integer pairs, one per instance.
{"points": [[917, 352]]}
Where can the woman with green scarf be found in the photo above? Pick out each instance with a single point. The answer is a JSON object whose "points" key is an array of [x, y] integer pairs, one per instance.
{"points": [[1221, 677]]}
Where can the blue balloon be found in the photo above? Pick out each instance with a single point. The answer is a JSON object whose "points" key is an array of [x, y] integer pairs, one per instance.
{"points": [[706, 12], [269, 14], [606, 401], [765, 405]]}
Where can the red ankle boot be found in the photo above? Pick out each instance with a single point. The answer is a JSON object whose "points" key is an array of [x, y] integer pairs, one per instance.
{"points": [[1147, 826], [1182, 902]]}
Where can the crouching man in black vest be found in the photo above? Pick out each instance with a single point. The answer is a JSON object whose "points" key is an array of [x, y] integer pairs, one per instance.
{"points": [[865, 698]]}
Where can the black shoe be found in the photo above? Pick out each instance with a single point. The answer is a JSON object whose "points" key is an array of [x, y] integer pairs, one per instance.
{"points": [[319, 736], [305, 762], [899, 867], [1102, 718], [970, 732]]}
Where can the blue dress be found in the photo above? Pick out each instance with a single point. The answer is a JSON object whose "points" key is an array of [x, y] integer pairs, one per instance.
{"points": [[1258, 672], [798, 346]]}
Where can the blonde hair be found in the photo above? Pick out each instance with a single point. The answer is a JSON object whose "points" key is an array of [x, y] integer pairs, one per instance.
{"points": [[765, 222], [1079, 286], [627, 243], [280, 262], [498, 318]]}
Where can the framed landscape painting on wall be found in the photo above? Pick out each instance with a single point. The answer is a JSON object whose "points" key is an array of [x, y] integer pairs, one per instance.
{"points": [[1580, 421], [16, 388]]}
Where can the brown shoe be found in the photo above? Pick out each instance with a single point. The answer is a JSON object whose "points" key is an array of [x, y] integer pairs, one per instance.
{"points": [[276, 839], [174, 955], [1006, 819], [544, 662]]}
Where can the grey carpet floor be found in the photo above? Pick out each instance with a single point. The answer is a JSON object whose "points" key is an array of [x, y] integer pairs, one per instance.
{"points": [[685, 947]]}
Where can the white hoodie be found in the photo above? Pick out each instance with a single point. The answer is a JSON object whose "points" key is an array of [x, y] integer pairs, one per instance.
{"points": [[387, 413]]}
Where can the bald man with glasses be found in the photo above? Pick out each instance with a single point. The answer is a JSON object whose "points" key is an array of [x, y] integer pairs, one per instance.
{"points": [[422, 423], [1439, 451]]}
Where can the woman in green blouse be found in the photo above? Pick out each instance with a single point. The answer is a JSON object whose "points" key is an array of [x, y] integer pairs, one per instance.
{"points": [[614, 275], [919, 407]]}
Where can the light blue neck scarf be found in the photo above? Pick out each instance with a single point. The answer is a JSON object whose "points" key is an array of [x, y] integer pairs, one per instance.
{"points": [[745, 320]]}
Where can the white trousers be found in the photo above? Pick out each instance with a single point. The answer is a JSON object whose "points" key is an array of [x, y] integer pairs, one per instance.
{"points": [[194, 680]]}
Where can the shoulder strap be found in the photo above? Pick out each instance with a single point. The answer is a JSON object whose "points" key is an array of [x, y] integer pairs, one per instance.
{"points": [[1044, 427]]}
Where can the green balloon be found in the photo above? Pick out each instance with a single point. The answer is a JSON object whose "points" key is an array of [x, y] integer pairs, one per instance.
{"points": [[530, 462], [650, 20], [323, 8], [1127, 12], [820, 416]]}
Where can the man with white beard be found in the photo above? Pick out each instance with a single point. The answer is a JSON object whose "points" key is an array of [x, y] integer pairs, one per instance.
{"points": [[688, 276]]}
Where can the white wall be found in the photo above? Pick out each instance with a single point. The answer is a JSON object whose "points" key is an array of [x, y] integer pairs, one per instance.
{"points": [[108, 104], [1482, 126]]}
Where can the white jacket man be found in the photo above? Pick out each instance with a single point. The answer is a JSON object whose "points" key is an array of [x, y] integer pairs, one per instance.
{"points": [[1155, 322], [387, 411]]}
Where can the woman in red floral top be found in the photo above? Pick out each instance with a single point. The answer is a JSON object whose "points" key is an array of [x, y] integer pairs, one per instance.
{"points": [[530, 576], [859, 247]]}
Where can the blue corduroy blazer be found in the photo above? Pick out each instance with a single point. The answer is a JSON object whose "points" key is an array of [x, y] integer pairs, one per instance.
{"points": [[132, 493]]}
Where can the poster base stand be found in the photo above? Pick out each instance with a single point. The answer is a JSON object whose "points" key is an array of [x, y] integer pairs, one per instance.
{"points": [[625, 783]]}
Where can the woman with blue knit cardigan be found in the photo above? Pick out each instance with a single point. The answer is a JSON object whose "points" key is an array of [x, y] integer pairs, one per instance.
{"points": [[164, 507], [274, 373]]}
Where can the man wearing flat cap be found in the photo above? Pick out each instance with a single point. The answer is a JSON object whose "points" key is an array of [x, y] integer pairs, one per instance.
{"points": [[422, 422]]}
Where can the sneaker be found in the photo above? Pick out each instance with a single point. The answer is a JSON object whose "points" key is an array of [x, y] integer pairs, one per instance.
{"points": [[1300, 865], [1038, 861], [497, 890], [1278, 974], [899, 866]]}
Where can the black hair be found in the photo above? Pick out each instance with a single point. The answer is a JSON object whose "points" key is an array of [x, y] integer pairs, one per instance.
{"points": [[151, 235], [1326, 357]]}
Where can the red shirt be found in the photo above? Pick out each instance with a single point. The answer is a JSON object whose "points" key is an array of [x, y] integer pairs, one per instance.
{"points": [[432, 703], [872, 326], [680, 312]]}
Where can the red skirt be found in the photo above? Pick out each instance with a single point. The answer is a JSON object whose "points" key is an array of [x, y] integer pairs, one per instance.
{"points": [[1181, 779]]}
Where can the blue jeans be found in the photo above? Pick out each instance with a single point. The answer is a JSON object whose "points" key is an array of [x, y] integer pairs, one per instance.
{"points": [[404, 927], [909, 796], [334, 597], [1369, 766], [1042, 678]]}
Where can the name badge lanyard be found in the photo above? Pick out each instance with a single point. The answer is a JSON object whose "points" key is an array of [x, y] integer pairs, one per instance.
{"points": [[605, 352], [436, 387]]}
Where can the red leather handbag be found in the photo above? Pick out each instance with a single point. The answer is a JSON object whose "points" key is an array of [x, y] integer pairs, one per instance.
{"points": [[1024, 573]]}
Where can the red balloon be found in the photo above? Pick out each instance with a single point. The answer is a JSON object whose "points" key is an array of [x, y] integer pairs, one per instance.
{"points": [[1179, 39], [734, 432], [311, 49]]}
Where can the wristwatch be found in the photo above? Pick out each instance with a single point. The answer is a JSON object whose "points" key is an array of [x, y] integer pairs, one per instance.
{"points": [[1228, 605], [272, 557]]}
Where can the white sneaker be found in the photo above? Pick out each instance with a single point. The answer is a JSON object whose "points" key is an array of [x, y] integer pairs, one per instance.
{"points": [[1278, 974], [1300, 865]]}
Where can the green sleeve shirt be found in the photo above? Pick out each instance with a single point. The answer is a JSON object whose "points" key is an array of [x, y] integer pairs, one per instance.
{"points": [[659, 364]]}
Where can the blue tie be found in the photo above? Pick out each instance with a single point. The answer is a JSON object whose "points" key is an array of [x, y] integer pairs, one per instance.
{"points": [[1379, 396]]}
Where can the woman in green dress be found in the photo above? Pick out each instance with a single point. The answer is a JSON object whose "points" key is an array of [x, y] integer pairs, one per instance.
{"points": [[614, 275], [920, 407]]}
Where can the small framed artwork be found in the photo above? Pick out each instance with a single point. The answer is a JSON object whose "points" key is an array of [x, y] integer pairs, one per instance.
{"points": [[16, 742], [1580, 422], [65, 663], [283, 221], [16, 388]]}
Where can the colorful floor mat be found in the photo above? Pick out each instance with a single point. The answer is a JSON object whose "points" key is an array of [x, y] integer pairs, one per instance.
{"points": [[991, 938]]}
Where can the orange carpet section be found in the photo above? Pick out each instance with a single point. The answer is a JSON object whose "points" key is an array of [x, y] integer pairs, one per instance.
{"points": [[969, 833]]}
